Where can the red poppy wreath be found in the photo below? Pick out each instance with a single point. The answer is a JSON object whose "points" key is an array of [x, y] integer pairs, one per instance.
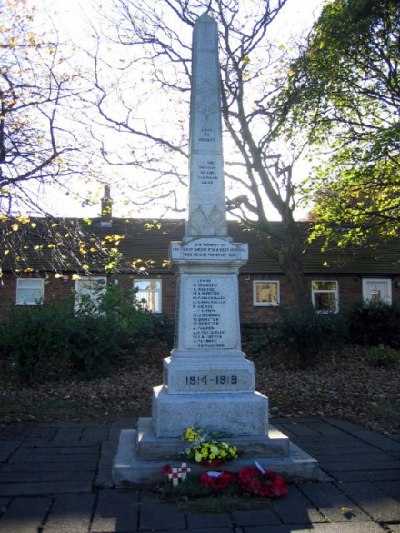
{"points": [[261, 482]]}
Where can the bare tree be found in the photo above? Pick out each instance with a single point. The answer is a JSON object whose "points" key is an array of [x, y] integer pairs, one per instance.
{"points": [[39, 146], [152, 116]]}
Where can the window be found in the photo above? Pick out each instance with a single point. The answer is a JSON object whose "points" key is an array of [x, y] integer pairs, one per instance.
{"points": [[266, 292], [377, 290], [92, 288], [325, 296], [149, 292], [30, 291]]}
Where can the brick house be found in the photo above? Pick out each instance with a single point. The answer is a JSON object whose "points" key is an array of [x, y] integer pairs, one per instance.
{"points": [[335, 278]]}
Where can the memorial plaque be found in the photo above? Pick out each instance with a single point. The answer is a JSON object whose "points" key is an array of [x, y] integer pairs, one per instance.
{"points": [[207, 321], [211, 249]]}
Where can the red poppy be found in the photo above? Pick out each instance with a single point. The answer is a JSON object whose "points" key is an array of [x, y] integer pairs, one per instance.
{"points": [[166, 469], [267, 484], [217, 480]]}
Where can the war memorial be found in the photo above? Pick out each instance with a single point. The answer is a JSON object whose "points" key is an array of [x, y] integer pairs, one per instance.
{"points": [[208, 382]]}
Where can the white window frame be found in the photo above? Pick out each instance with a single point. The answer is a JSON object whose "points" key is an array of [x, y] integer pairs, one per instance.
{"points": [[371, 281], [89, 281], [266, 282], [325, 291], [31, 284], [144, 294]]}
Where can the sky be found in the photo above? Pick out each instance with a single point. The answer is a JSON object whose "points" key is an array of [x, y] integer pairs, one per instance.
{"points": [[73, 20]]}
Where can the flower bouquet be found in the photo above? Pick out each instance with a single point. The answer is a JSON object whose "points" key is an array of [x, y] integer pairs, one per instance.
{"points": [[206, 449]]}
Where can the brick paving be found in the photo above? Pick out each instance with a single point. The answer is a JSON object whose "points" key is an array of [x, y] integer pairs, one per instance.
{"points": [[56, 478]]}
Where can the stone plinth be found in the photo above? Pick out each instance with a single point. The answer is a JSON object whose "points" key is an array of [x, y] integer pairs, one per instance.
{"points": [[239, 413], [141, 455]]}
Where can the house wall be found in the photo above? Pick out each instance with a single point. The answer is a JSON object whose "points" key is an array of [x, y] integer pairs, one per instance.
{"points": [[350, 290]]}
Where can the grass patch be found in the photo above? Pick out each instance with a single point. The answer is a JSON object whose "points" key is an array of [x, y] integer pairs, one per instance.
{"points": [[387, 408], [191, 497]]}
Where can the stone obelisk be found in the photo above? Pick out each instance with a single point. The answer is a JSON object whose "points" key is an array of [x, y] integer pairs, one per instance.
{"points": [[208, 382]]}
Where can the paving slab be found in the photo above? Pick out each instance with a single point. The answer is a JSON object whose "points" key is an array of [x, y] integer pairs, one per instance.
{"points": [[16, 431], [216, 530], [104, 478], [66, 466], [321, 528], [44, 455], [391, 487], [7, 448], [379, 463], [332, 503], [209, 520], [40, 436], [373, 500], [94, 435], [295, 508], [70, 513], [158, 516], [34, 477], [4, 502], [68, 436], [266, 517], [43, 488], [116, 512], [25, 515]]}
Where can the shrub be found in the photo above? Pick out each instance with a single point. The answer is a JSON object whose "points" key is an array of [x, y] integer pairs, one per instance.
{"points": [[56, 341], [373, 324], [384, 356], [306, 332]]}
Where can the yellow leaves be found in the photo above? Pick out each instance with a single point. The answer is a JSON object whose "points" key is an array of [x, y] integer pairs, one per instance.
{"points": [[3, 218], [23, 219], [76, 277], [11, 42], [58, 276], [116, 239], [27, 270], [6, 252], [15, 227]]}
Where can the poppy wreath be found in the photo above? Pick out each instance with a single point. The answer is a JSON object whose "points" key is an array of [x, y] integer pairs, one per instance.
{"points": [[217, 480], [267, 484]]}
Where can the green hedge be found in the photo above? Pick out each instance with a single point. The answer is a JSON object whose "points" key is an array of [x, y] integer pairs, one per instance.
{"points": [[57, 341]]}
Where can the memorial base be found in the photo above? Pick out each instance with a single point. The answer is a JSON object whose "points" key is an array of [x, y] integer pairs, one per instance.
{"points": [[141, 455], [236, 413]]}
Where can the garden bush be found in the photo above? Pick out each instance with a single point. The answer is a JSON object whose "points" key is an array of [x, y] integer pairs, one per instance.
{"points": [[59, 340], [304, 332], [373, 324], [383, 356]]}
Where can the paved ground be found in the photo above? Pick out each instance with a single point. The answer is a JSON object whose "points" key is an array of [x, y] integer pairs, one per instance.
{"points": [[56, 478]]}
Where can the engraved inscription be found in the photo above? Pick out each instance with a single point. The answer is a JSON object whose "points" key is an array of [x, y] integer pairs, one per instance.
{"points": [[207, 380], [207, 327], [210, 305], [207, 172]]}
